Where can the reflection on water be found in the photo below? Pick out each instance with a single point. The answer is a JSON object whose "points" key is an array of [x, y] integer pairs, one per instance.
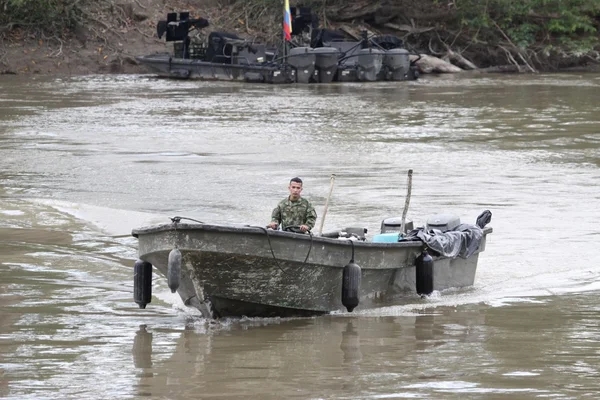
{"points": [[142, 348], [350, 345], [450, 353], [85, 160]]}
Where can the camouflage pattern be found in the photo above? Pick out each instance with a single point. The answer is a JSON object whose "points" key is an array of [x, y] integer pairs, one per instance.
{"points": [[299, 212]]}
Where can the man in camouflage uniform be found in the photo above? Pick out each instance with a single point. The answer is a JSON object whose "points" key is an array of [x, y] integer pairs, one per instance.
{"points": [[294, 210]]}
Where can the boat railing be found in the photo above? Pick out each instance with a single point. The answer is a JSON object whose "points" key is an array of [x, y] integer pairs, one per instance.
{"points": [[283, 59], [234, 60], [196, 51]]}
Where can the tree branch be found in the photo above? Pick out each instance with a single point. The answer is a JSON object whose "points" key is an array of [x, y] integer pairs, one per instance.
{"points": [[515, 47]]}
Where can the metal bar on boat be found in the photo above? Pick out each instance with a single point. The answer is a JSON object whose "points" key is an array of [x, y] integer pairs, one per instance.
{"points": [[406, 202], [326, 205]]}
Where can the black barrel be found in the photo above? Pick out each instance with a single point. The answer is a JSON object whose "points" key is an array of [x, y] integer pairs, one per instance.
{"points": [[174, 270], [142, 283], [351, 285], [424, 267]]}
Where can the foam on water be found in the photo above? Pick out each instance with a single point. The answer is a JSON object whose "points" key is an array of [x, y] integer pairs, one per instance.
{"points": [[221, 154], [108, 220], [496, 283]]}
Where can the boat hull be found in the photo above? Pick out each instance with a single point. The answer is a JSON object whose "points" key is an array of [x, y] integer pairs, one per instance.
{"points": [[167, 66], [251, 271], [170, 67]]}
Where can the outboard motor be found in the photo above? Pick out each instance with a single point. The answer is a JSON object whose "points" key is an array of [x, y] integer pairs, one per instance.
{"points": [[369, 63], [394, 224], [391, 230], [282, 74], [443, 222], [326, 63], [396, 64], [303, 60], [413, 70]]}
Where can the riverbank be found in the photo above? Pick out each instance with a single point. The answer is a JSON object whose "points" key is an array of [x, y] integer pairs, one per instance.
{"points": [[74, 57], [109, 35], [107, 40], [107, 43]]}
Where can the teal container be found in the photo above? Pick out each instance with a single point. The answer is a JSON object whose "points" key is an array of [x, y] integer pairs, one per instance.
{"points": [[390, 237]]}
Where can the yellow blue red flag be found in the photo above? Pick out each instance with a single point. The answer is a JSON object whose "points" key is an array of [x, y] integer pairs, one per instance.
{"points": [[287, 21]]}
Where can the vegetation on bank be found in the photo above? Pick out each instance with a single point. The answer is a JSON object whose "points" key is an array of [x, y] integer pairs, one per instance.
{"points": [[529, 34], [52, 16]]}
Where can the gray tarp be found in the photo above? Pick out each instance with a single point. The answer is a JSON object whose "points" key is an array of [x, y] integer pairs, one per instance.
{"points": [[463, 241]]}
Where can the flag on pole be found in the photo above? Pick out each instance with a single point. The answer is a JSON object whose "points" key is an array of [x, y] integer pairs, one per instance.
{"points": [[287, 21]]}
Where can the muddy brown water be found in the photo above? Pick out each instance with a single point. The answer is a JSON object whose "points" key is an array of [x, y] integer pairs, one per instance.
{"points": [[85, 160]]}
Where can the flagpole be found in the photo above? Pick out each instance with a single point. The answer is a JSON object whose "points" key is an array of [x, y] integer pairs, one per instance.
{"points": [[283, 43]]}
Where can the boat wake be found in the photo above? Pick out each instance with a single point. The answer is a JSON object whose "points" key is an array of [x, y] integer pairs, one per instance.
{"points": [[495, 285]]}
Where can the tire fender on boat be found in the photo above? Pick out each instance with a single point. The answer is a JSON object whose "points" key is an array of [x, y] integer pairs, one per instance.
{"points": [[174, 269], [142, 283], [351, 285], [424, 273]]}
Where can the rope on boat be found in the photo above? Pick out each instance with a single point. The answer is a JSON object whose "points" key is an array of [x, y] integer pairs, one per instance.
{"points": [[178, 219], [352, 243], [271, 247], [310, 247], [266, 231]]}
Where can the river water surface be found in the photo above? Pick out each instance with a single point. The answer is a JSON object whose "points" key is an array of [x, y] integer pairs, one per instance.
{"points": [[85, 160]]}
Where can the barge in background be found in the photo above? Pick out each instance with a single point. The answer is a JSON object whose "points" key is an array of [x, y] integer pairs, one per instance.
{"points": [[313, 55]]}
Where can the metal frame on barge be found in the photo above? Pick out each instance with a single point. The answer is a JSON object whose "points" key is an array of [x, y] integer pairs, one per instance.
{"points": [[313, 55]]}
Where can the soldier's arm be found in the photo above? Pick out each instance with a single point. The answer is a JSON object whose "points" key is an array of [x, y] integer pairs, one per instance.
{"points": [[276, 215], [311, 216]]}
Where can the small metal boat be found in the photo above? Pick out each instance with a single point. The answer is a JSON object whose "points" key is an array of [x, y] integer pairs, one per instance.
{"points": [[229, 270]]}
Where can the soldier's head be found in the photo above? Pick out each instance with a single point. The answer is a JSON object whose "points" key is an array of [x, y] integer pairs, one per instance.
{"points": [[295, 188]]}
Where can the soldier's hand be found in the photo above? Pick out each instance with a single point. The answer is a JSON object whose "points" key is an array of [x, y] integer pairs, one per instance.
{"points": [[272, 225], [304, 228]]}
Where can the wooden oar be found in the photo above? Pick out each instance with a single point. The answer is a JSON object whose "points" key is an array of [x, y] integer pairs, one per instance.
{"points": [[406, 202], [326, 205]]}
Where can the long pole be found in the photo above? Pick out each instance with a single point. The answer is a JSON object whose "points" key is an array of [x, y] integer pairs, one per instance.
{"points": [[326, 204], [283, 41], [406, 202]]}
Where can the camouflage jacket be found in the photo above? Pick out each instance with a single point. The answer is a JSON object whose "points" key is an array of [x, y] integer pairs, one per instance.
{"points": [[299, 212]]}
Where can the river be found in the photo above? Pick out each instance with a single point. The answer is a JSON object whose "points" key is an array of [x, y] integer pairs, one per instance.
{"points": [[84, 160]]}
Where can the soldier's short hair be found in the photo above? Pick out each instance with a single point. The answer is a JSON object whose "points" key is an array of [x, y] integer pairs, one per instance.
{"points": [[296, 179]]}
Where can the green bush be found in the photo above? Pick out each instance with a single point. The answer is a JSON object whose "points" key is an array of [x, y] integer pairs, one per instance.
{"points": [[533, 22], [48, 15]]}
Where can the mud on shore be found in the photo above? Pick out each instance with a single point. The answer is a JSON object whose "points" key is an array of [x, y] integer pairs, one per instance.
{"points": [[108, 43], [116, 31]]}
